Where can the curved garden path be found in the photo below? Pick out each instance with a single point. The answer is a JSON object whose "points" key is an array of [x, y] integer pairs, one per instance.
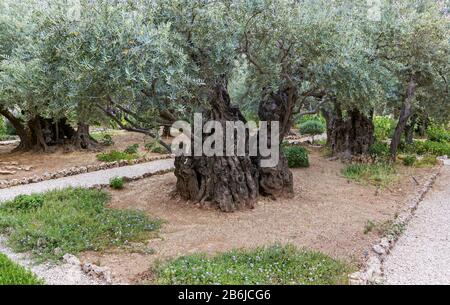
{"points": [[87, 180], [422, 254]]}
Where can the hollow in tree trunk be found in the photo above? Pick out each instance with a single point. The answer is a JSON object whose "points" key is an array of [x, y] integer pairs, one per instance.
{"points": [[229, 182], [82, 139]]}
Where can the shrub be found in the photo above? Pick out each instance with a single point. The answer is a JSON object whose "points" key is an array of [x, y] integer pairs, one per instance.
{"points": [[115, 155], [275, 265], [132, 149], [384, 127], [25, 203], [378, 173], [155, 147], [312, 128], [117, 183], [409, 160], [296, 156], [430, 148], [13, 274], [437, 133], [72, 221], [427, 161], [311, 117], [380, 150]]}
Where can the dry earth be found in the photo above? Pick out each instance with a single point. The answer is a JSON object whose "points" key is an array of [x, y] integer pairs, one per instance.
{"points": [[328, 213], [50, 162]]}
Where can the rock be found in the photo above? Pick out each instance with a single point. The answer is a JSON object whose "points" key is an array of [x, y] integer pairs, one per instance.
{"points": [[385, 243], [378, 249], [7, 172], [71, 259], [97, 272]]}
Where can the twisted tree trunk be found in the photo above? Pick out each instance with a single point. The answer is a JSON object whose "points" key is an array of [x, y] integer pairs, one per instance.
{"points": [[82, 139], [230, 182]]}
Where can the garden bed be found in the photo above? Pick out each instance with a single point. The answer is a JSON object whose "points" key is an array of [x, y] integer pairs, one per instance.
{"points": [[328, 213]]}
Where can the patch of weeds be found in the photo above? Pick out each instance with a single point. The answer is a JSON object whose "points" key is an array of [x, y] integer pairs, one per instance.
{"points": [[104, 139], [155, 147], [13, 274], [427, 161], [24, 203], [132, 149], [115, 155], [384, 228], [275, 265], [117, 183], [369, 227], [379, 173], [72, 221], [409, 160]]}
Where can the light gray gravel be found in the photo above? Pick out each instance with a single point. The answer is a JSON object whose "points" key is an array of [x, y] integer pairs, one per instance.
{"points": [[422, 254], [88, 179]]}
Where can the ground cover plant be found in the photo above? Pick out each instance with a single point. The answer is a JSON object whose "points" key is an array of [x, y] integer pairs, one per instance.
{"points": [[380, 173], [13, 274], [274, 265], [70, 221]]}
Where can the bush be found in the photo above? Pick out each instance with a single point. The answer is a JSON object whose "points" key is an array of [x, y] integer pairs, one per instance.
{"points": [[115, 155], [379, 150], [72, 221], [312, 128], [436, 133], [25, 203], [117, 183], [311, 117], [409, 160], [430, 148], [384, 127], [155, 147], [132, 149], [275, 265], [297, 156], [13, 274]]}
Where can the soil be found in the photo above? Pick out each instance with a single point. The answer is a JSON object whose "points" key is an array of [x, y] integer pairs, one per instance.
{"points": [[328, 213], [50, 162]]}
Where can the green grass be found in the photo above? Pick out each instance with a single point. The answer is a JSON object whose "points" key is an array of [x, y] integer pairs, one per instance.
{"points": [[115, 155], [276, 265], [13, 274], [378, 173], [70, 221], [117, 183]]}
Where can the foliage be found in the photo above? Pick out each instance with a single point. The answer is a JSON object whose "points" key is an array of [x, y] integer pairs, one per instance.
{"points": [[24, 203], [409, 160], [275, 265], [430, 148], [438, 133], [311, 117], [377, 173], [427, 161], [384, 127], [72, 221], [115, 155], [132, 149], [297, 156], [312, 127], [13, 274], [104, 139], [379, 150], [384, 228], [117, 183], [155, 147]]}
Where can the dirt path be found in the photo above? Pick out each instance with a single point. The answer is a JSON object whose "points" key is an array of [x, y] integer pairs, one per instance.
{"points": [[88, 179], [422, 254]]}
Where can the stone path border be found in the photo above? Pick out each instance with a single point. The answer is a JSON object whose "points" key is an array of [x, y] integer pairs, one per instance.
{"points": [[372, 272], [76, 170]]}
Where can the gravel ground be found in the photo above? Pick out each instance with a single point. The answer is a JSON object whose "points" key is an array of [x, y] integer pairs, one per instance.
{"points": [[422, 254], [64, 274], [86, 180]]}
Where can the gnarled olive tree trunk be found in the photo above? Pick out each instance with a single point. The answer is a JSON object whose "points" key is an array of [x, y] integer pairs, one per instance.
{"points": [[230, 182], [277, 181], [350, 135]]}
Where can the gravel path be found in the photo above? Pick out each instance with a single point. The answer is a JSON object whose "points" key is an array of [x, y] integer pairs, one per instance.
{"points": [[422, 254], [88, 179]]}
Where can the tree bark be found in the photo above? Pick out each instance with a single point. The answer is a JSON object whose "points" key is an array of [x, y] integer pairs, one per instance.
{"points": [[409, 130], [404, 116], [277, 181], [229, 182], [349, 136], [82, 139], [24, 134]]}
